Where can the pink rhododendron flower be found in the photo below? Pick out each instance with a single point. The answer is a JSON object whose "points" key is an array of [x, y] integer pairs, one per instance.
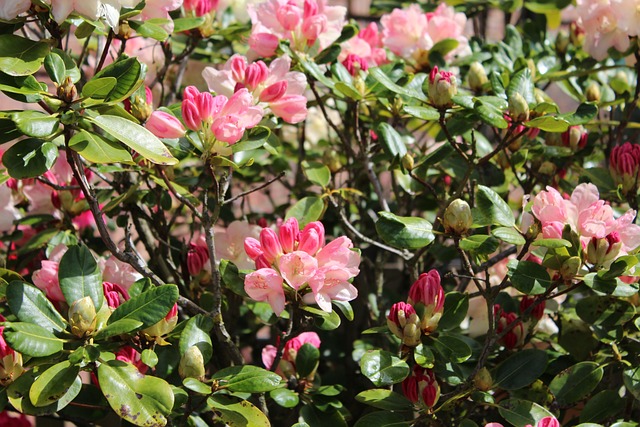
{"points": [[624, 164], [130, 355], [544, 422], [199, 7], [303, 22], [11, 9], [607, 23], [116, 271], [13, 419], [230, 243], [46, 278], [8, 211], [265, 284], [287, 365], [300, 260], [411, 33], [114, 294], [275, 87], [365, 48]]}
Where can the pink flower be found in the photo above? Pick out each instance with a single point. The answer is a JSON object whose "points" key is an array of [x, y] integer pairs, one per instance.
{"points": [[427, 296], [159, 9], [275, 87], [606, 25], [266, 285], [287, 365], [364, 49], [114, 294], [549, 206], [297, 268], [548, 422], [200, 7], [116, 271], [46, 279], [130, 355], [11, 9], [230, 243], [624, 165], [305, 23], [164, 125], [404, 323]]}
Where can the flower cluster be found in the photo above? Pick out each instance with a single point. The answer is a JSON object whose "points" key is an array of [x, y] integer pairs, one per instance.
{"points": [[364, 50], [303, 22], [607, 24], [422, 387], [624, 165], [287, 365], [281, 90], [410, 33], [507, 324], [294, 263], [422, 311]]}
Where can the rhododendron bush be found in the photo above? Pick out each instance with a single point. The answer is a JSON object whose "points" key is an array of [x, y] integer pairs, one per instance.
{"points": [[278, 212]]}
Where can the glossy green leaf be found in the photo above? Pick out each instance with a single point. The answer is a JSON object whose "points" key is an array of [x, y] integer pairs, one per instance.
{"points": [[18, 394], [29, 158], [53, 383], [248, 379], [197, 332], [31, 340], [35, 123], [383, 368], [631, 379], [237, 413], [137, 138], [344, 307], [317, 173], [491, 209], [404, 232], [149, 29], [423, 356], [552, 243], [142, 400], [128, 73], [548, 123], [285, 397], [383, 419], [384, 399], [456, 305], [184, 24], [196, 385], [490, 115], [424, 113], [392, 143], [480, 244], [520, 413], [520, 369], [306, 210], [97, 149], [149, 307], [99, 88], [602, 406], [314, 417], [522, 83], [20, 56], [385, 81], [30, 305], [576, 382], [80, 276], [307, 360], [528, 277], [70, 68], [54, 65], [605, 310], [119, 327], [452, 348]]}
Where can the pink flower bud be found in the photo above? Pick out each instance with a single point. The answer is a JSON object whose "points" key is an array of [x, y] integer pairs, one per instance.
{"points": [[442, 87], [312, 238], [289, 16], [264, 44], [191, 115], [262, 262], [427, 296], [113, 292], [164, 125], [575, 137], [205, 105], [404, 323], [422, 386], [548, 422], [624, 165], [270, 244], [255, 74], [190, 92], [312, 27], [514, 337], [274, 92], [354, 63], [600, 251], [289, 234], [310, 8], [527, 302], [252, 248], [196, 258], [46, 279], [238, 65]]}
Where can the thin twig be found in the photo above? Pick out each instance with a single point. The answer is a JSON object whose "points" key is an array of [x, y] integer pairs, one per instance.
{"points": [[260, 187]]}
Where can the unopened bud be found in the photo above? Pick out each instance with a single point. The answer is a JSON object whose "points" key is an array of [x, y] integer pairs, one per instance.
{"points": [[518, 108], [570, 268], [67, 91], [537, 311], [576, 34], [477, 77], [192, 364], [547, 168], [562, 42], [457, 217], [593, 92], [624, 164], [404, 323], [575, 137], [427, 297], [483, 381], [600, 251], [82, 317], [442, 88], [332, 160], [164, 326], [407, 162]]}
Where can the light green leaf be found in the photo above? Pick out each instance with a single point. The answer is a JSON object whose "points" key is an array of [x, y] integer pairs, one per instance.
{"points": [[424, 113], [196, 333], [80, 276], [306, 210], [30, 305], [237, 413], [576, 382], [54, 65], [53, 383], [384, 399], [18, 394], [20, 56], [248, 379], [149, 307], [99, 88], [521, 413], [29, 158], [404, 232], [317, 173], [392, 142], [35, 123], [31, 340], [119, 327], [97, 149]]}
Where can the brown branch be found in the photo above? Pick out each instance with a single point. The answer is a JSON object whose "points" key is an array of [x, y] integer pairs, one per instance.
{"points": [[253, 190]]}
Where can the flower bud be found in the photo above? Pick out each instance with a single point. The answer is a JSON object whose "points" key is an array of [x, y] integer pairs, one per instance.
{"points": [[562, 42], [548, 422], [164, 326], [457, 217], [515, 336], [255, 74], [518, 108], [252, 247], [191, 115], [192, 364], [442, 87], [575, 137], [576, 34], [600, 251], [407, 162], [82, 317], [312, 238], [313, 26], [270, 244], [537, 312], [570, 268], [483, 381], [67, 91], [197, 258], [164, 125], [404, 323], [289, 233], [592, 93], [141, 107], [422, 386], [477, 77], [427, 297], [332, 160], [354, 63], [274, 92], [624, 165]]}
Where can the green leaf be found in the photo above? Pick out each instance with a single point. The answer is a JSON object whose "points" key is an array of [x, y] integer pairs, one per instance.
{"points": [[149, 30], [53, 383], [184, 24], [551, 243], [452, 348], [348, 90], [237, 413], [196, 385], [54, 65], [256, 138], [521, 413], [80, 276], [137, 138], [631, 379], [424, 113], [392, 142], [404, 232], [31, 340], [423, 356], [142, 400], [385, 81], [548, 123], [576, 382], [605, 311], [528, 277], [619, 267], [248, 379], [456, 306], [345, 308], [149, 307], [383, 419], [128, 73], [307, 360], [18, 393], [602, 406], [29, 158], [285, 397], [30, 305], [384, 399], [317, 173], [314, 417], [197, 332], [306, 210], [490, 115], [583, 115], [97, 149], [480, 244], [99, 88], [8, 129], [383, 368], [20, 56], [492, 209], [119, 327], [520, 369], [35, 123], [522, 83], [70, 68]]}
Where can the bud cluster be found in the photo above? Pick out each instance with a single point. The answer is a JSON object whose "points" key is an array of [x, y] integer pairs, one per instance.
{"points": [[422, 387], [624, 165]]}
